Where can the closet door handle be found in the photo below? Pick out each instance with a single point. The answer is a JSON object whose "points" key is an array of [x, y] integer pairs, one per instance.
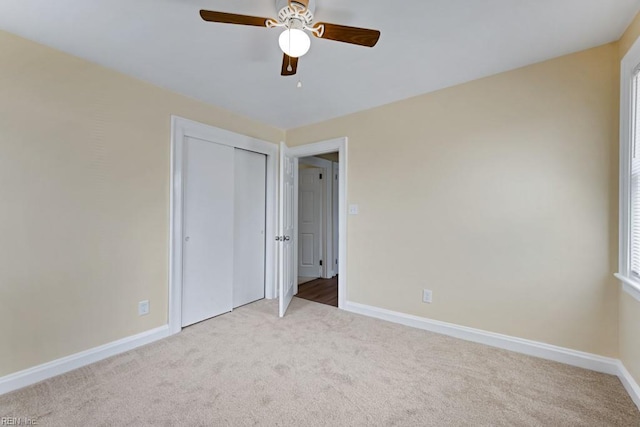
{"points": [[287, 238]]}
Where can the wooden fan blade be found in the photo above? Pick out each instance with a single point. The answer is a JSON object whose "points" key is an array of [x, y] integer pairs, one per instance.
{"points": [[286, 60], [353, 35], [232, 18]]}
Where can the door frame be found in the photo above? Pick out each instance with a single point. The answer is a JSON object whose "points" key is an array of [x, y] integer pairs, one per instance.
{"points": [[182, 128], [335, 235], [326, 222], [315, 149]]}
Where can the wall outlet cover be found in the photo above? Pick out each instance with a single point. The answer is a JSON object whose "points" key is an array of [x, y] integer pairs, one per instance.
{"points": [[427, 296], [143, 308]]}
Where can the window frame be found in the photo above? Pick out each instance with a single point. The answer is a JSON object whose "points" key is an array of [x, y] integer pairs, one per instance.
{"points": [[628, 69]]}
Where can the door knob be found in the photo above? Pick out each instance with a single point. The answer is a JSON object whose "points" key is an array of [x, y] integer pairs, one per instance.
{"points": [[186, 239], [286, 238]]}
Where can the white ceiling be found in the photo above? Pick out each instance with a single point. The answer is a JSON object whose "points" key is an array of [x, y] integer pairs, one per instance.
{"points": [[425, 45]]}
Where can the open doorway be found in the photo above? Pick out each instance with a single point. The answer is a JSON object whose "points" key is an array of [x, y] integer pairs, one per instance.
{"points": [[288, 239], [318, 228]]}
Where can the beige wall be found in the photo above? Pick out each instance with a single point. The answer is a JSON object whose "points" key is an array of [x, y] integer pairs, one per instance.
{"points": [[630, 36], [630, 308], [494, 194], [332, 157], [630, 334], [84, 166]]}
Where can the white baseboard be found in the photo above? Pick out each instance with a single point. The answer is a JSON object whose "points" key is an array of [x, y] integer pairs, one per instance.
{"points": [[567, 356], [629, 384], [42, 372]]}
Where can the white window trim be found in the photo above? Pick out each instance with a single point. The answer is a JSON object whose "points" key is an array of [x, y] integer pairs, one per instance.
{"points": [[628, 67]]}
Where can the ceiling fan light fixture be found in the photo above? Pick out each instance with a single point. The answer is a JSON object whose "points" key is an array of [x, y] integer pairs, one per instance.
{"points": [[294, 42], [296, 18]]}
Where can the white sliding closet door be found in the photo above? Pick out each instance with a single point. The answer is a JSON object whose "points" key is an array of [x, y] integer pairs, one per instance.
{"points": [[249, 227], [208, 253]]}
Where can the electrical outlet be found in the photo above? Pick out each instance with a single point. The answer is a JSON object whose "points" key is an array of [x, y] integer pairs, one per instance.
{"points": [[143, 307], [427, 296]]}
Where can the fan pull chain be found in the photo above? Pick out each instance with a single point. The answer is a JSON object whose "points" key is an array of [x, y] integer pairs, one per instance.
{"points": [[289, 68]]}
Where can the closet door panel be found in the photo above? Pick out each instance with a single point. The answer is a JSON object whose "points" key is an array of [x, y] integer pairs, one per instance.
{"points": [[249, 227], [208, 254]]}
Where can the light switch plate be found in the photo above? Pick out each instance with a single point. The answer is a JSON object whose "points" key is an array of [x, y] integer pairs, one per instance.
{"points": [[353, 210]]}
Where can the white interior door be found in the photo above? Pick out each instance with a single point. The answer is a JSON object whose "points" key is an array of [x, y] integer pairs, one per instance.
{"points": [[309, 222], [208, 230], [249, 227], [286, 230]]}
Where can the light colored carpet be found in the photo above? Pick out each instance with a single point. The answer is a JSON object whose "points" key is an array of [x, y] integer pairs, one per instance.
{"points": [[322, 366]]}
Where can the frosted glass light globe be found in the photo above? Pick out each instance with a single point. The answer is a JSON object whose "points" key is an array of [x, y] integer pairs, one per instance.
{"points": [[294, 43]]}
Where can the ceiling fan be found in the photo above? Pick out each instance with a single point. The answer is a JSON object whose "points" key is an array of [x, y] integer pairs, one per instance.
{"points": [[296, 16]]}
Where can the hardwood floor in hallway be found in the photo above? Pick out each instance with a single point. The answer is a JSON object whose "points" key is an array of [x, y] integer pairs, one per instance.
{"points": [[324, 291]]}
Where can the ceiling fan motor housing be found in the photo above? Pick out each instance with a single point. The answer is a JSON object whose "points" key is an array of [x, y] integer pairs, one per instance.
{"points": [[290, 16]]}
